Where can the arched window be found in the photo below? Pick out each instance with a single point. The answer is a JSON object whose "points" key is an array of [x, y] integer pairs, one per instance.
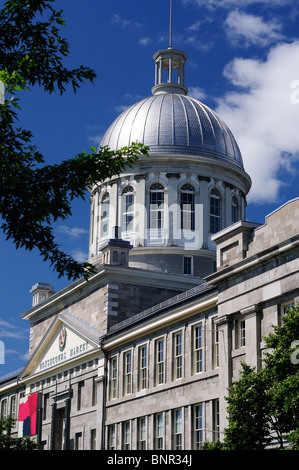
{"points": [[187, 207], [156, 219], [215, 211], [235, 210], [105, 215], [127, 209]]}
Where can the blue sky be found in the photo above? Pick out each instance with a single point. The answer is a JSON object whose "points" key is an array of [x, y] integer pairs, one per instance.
{"points": [[242, 62]]}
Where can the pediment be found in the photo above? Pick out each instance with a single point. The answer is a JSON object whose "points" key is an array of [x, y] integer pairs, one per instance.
{"points": [[66, 340]]}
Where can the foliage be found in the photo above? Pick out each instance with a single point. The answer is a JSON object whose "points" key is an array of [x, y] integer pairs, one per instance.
{"points": [[33, 195], [263, 406], [14, 443]]}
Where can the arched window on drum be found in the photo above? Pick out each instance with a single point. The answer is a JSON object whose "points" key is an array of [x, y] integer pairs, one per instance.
{"points": [[187, 207], [215, 211], [105, 209], [156, 212], [127, 209]]}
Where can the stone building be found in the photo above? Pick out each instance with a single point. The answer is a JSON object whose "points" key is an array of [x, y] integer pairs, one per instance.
{"points": [[141, 355]]}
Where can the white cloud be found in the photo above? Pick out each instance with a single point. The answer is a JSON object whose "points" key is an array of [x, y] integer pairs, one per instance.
{"points": [[80, 255], [239, 3], [144, 41], [197, 93], [251, 29], [124, 23], [73, 232], [8, 330], [121, 108], [264, 118]]}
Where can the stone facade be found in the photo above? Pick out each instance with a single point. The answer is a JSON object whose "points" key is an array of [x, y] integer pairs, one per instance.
{"points": [[142, 354], [156, 378]]}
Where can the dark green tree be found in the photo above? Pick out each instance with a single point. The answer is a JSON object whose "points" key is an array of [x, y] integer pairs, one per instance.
{"points": [[33, 195], [263, 406], [7, 442]]}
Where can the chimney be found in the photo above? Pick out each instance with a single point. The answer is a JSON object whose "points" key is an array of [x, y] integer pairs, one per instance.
{"points": [[41, 291]]}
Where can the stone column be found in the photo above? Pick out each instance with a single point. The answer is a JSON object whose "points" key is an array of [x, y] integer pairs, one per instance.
{"points": [[227, 205], [170, 70], [140, 210], [113, 214], [205, 202], [101, 403], [173, 209], [225, 366], [252, 336]]}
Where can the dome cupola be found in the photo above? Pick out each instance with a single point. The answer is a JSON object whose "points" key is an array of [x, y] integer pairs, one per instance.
{"points": [[168, 206]]}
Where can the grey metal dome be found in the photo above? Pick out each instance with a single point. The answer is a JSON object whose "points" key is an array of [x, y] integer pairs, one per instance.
{"points": [[173, 123]]}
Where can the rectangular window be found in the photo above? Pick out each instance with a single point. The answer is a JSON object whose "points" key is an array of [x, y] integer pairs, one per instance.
{"points": [[93, 439], [177, 356], [13, 407], [4, 408], [160, 364], [241, 333], [178, 429], [79, 396], [94, 392], [215, 346], [141, 444], [127, 373], [216, 423], [46, 398], [113, 378], [188, 265], [127, 435], [78, 441], [159, 431], [142, 359], [197, 426], [112, 437], [283, 310], [197, 349]]}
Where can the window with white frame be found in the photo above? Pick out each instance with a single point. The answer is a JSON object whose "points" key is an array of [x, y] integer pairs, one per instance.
{"points": [[159, 362], [177, 356], [113, 378], [197, 358], [105, 215], [159, 431], [127, 209], [127, 435], [156, 212], [197, 426], [127, 373], [187, 207], [4, 408], [241, 333], [178, 429], [141, 441], [112, 437], [13, 407], [142, 372], [215, 211]]}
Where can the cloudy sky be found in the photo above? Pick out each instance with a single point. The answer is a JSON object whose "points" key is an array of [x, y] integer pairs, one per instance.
{"points": [[243, 62]]}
